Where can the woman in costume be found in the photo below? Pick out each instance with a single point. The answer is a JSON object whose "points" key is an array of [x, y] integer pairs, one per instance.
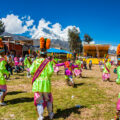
{"points": [[42, 70], [3, 86], [69, 66], [78, 71], [106, 70]]}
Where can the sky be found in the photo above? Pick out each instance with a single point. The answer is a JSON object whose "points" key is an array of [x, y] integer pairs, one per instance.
{"points": [[52, 18]]}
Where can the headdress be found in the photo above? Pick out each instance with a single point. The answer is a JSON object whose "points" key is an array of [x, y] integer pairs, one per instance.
{"points": [[44, 45]]}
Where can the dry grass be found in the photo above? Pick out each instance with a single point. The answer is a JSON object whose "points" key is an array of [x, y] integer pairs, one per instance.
{"points": [[96, 98]]}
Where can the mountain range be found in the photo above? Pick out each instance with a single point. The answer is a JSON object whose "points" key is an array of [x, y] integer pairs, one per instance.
{"points": [[54, 43]]}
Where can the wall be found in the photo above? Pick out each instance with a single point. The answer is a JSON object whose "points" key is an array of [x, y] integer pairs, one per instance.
{"points": [[16, 48]]}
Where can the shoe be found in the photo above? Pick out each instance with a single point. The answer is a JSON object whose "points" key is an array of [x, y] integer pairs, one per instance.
{"points": [[40, 118], [51, 115], [3, 104]]}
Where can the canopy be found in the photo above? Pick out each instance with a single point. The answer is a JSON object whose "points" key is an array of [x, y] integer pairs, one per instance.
{"points": [[1, 51], [53, 50]]}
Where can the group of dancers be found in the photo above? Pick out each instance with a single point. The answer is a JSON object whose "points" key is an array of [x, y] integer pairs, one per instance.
{"points": [[41, 68]]}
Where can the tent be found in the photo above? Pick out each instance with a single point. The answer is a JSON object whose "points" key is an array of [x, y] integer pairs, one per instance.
{"points": [[53, 50]]}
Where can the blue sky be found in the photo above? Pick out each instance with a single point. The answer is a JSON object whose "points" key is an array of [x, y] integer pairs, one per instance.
{"points": [[98, 18]]}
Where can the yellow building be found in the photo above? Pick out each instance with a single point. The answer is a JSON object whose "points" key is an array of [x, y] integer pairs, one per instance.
{"points": [[95, 50]]}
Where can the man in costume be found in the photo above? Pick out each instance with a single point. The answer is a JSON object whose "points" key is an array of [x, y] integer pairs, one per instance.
{"points": [[69, 66], [3, 86], [106, 69], [78, 71], [42, 70]]}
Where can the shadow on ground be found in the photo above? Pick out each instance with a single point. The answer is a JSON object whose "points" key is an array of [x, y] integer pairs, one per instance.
{"points": [[19, 100], [15, 92], [78, 84], [66, 112]]}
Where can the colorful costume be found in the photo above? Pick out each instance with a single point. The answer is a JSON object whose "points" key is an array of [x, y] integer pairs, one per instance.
{"points": [[3, 72], [42, 70], [3, 86], [68, 70], [118, 74], [106, 71], [27, 62], [45, 76], [118, 68], [78, 71]]}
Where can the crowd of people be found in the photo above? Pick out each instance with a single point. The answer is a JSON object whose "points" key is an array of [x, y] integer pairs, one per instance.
{"points": [[41, 67]]}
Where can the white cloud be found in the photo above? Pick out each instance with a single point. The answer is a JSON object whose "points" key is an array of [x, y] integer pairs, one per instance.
{"points": [[29, 23], [52, 31], [16, 25]]}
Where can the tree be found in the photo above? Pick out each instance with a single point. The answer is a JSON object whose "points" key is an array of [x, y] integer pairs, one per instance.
{"points": [[87, 38], [75, 43], [2, 27]]}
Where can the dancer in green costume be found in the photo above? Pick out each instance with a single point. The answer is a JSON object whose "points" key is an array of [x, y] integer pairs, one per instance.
{"points": [[78, 71], [118, 68], [27, 63], [42, 70], [106, 70], [3, 86], [118, 73]]}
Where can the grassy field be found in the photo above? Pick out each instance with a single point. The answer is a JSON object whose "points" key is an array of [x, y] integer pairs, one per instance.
{"points": [[97, 99]]}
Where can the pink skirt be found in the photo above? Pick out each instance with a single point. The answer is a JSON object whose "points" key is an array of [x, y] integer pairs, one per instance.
{"points": [[77, 72], [37, 95], [3, 87], [56, 69], [105, 76]]}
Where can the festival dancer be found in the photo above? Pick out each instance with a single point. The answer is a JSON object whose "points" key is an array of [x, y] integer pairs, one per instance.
{"points": [[78, 71], [28, 63], [56, 68], [3, 86], [42, 70], [118, 65], [106, 70], [16, 63], [69, 66]]}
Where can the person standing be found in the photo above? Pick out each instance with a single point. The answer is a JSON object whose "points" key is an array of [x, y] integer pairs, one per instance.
{"points": [[42, 70], [106, 70]]}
